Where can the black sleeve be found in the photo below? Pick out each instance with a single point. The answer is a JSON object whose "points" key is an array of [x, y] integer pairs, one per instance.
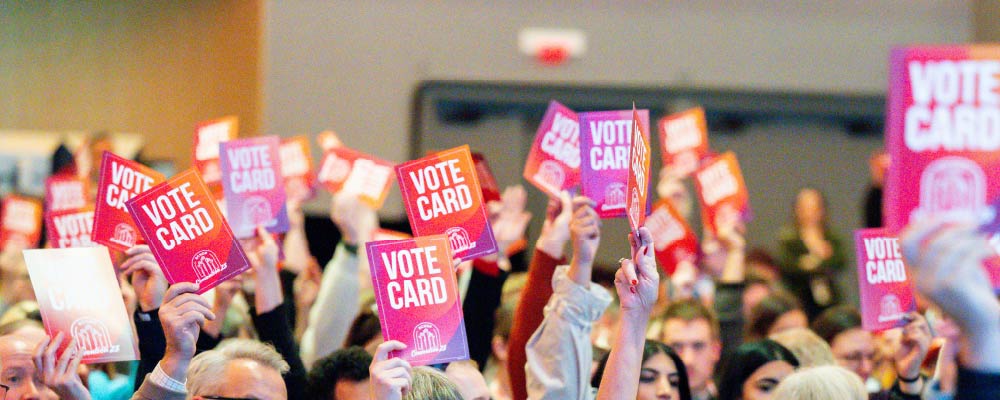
{"points": [[478, 309], [729, 309], [977, 385], [273, 328], [152, 342]]}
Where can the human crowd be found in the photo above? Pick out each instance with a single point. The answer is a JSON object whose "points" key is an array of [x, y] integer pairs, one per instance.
{"points": [[543, 322]]}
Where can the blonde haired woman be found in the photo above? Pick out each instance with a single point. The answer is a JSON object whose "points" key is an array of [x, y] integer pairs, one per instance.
{"points": [[821, 383]]}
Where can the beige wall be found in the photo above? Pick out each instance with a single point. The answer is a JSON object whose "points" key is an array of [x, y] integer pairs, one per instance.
{"points": [[152, 67]]}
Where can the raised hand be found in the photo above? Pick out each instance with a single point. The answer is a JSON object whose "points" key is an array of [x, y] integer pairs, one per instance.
{"points": [[390, 377], [355, 220], [585, 230], [508, 218], [60, 374], [637, 281], [913, 346], [555, 229], [147, 277], [182, 314], [263, 255]]}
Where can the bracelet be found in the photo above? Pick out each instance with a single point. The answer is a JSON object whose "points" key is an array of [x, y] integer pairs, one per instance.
{"points": [[908, 380], [351, 248]]}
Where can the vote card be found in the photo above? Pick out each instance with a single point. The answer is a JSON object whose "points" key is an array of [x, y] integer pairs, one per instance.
{"points": [[186, 232], [253, 185], [296, 168], [442, 196], [884, 281], [78, 295], [605, 142], [328, 140], [673, 239], [638, 176], [351, 171], [553, 163], [417, 298], [491, 189], [20, 222], [207, 137], [684, 140], [121, 179], [70, 228], [64, 192], [722, 193]]}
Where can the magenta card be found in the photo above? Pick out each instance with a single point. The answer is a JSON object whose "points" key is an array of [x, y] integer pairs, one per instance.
{"points": [[65, 192], [884, 281], [78, 294], [186, 232], [253, 185], [70, 228], [121, 179], [553, 164], [605, 142], [417, 297]]}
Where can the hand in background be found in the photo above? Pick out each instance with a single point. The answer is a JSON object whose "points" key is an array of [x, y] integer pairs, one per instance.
{"points": [[147, 277]]}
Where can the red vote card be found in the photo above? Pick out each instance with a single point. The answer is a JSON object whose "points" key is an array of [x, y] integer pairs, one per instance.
{"points": [[369, 177], [722, 193], [78, 294], [254, 188], [207, 137], [186, 232], [442, 196], [121, 180], [684, 140], [20, 222], [296, 168], [884, 281], [605, 142], [638, 176], [70, 228], [553, 164], [64, 192], [673, 239], [491, 189], [417, 297]]}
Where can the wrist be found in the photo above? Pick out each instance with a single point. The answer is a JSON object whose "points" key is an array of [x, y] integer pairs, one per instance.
{"points": [[551, 246], [175, 364]]}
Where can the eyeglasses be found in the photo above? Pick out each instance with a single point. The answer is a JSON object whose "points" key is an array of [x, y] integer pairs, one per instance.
{"points": [[857, 357], [4, 389]]}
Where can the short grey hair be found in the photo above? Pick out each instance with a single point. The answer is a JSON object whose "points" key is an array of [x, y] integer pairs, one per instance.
{"points": [[822, 383], [431, 384], [206, 368]]}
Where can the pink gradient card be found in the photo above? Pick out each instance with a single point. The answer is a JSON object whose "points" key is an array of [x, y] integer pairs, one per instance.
{"points": [[684, 140], [673, 239], [722, 193], [70, 228], [351, 171], [605, 142], [207, 137], [296, 168], [638, 176], [20, 222], [65, 192], [121, 180], [253, 185], [884, 281], [553, 164], [417, 297]]}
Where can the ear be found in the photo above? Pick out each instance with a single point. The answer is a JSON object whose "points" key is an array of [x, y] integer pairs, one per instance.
{"points": [[499, 346]]}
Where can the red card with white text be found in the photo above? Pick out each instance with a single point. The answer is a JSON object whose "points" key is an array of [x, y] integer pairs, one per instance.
{"points": [[296, 168], [328, 140], [348, 170], [207, 137], [884, 281], [78, 294], [186, 232], [64, 192], [442, 196], [638, 175], [553, 163], [254, 188], [121, 180], [673, 239], [684, 140], [70, 228], [943, 134], [605, 142], [722, 193], [491, 189], [20, 222], [417, 296]]}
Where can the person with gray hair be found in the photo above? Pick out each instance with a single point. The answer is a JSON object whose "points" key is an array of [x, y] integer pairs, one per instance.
{"points": [[827, 382], [238, 368], [810, 349]]}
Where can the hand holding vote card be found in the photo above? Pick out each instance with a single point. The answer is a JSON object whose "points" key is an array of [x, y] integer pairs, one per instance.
{"points": [[20, 222], [722, 193], [673, 239], [638, 177], [207, 137], [254, 188], [417, 297], [70, 228], [442, 196], [605, 142], [553, 163], [296, 167], [884, 281], [684, 140], [186, 232], [121, 180], [65, 192], [351, 171], [78, 295]]}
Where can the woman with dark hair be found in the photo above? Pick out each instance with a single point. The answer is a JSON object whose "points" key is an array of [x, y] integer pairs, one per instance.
{"points": [[811, 254], [662, 371], [776, 312], [754, 370]]}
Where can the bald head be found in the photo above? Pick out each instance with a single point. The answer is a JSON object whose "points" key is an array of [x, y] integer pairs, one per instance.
{"points": [[17, 368]]}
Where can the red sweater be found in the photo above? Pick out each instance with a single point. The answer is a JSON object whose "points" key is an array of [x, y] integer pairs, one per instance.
{"points": [[528, 316]]}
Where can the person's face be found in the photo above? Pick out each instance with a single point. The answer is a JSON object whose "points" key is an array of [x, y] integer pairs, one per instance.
{"points": [[809, 207], [250, 380], [762, 382], [658, 379], [752, 295], [350, 390], [17, 370], [789, 320], [854, 349], [470, 382], [694, 343]]}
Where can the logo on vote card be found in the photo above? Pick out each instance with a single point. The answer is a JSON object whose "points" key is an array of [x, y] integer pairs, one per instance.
{"points": [[124, 235], [206, 265], [614, 197], [257, 210], [551, 176], [92, 337], [427, 339], [954, 188], [889, 309], [459, 239]]}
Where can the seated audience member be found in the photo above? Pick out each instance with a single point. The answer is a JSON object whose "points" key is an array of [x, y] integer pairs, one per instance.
{"points": [[366, 329], [810, 349], [469, 381], [662, 376], [692, 331], [754, 370], [496, 370], [827, 382], [342, 375], [238, 368], [775, 313], [395, 379], [30, 368]]}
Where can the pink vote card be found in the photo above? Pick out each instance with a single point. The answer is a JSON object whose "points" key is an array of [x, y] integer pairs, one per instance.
{"points": [[65, 192], [722, 193], [253, 185], [20, 222], [884, 281], [296, 168], [638, 176], [605, 142], [121, 180], [207, 137], [673, 239], [351, 171], [684, 140], [553, 164], [70, 228]]}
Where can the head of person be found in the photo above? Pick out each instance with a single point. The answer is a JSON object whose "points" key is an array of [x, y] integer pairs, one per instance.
{"points": [[810, 349], [469, 381], [692, 331], [431, 384], [756, 288], [755, 370], [852, 346], [343, 375], [238, 368], [504, 316], [775, 313], [662, 377], [17, 369], [810, 208], [828, 382], [365, 330]]}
